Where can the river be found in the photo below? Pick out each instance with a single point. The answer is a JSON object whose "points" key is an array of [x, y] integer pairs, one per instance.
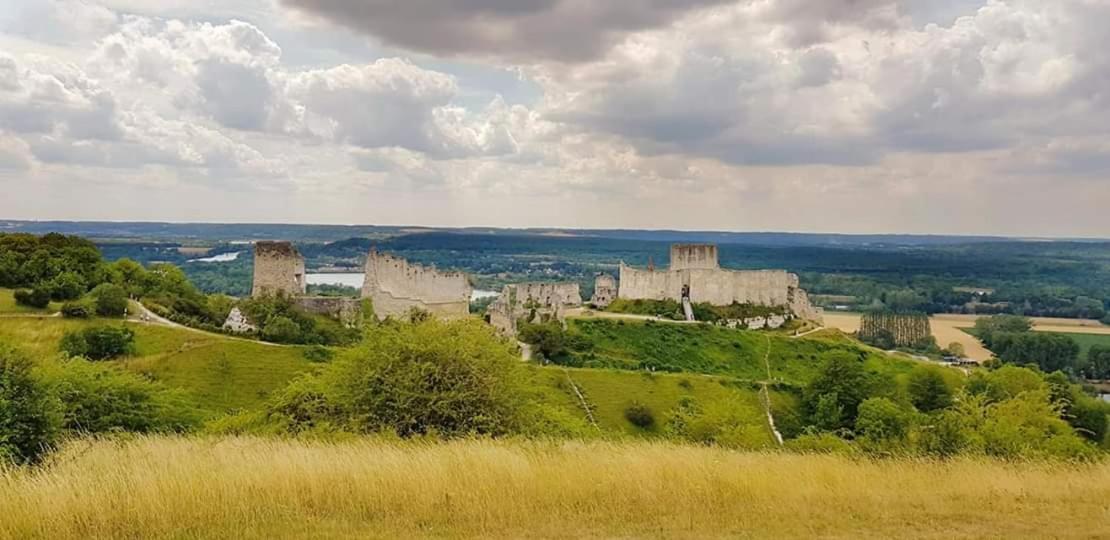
{"points": [[355, 279]]}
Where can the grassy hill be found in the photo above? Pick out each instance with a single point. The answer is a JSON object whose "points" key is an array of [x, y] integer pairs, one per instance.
{"points": [[221, 373], [8, 305]]}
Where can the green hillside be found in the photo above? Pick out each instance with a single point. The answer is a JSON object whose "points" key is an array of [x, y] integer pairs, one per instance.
{"points": [[8, 305]]}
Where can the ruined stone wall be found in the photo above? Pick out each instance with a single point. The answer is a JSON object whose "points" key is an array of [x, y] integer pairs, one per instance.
{"points": [[549, 300], [396, 286], [718, 287], [605, 291], [345, 310], [278, 269], [694, 256]]}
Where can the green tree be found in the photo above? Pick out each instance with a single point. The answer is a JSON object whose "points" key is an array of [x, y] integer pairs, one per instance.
{"points": [[548, 339], [928, 390], [281, 329], [37, 298], [98, 342], [842, 377], [1098, 363], [883, 424], [67, 286], [28, 415], [111, 300]]}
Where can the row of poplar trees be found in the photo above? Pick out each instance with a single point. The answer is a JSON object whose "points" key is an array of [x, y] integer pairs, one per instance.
{"points": [[889, 329]]}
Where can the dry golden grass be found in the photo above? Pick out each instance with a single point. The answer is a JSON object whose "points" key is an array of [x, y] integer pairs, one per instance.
{"points": [[270, 488]]}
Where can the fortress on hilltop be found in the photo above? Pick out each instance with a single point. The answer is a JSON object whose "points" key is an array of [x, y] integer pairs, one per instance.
{"points": [[695, 274], [533, 302]]}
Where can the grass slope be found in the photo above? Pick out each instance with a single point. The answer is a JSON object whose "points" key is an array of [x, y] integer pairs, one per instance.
{"points": [[166, 487], [222, 374], [610, 392], [715, 350]]}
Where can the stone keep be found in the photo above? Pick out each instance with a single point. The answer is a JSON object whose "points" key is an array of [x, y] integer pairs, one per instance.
{"points": [[396, 286], [278, 269], [549, 300], [697, 267], [605, 291]]}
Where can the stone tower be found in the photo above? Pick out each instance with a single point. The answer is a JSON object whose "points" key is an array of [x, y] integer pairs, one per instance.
{"points": [[605, 291], [694, 257], [278, 269]]}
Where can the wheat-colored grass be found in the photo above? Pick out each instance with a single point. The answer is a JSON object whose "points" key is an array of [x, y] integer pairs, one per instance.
{"points": [[271, 488]]}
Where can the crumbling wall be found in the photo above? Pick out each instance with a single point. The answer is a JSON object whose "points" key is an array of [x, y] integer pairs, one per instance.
{"points": [[396, 286], [694, 256], [522, 300], [278, 269], [605, 291], [712, 285], [345, 310]]}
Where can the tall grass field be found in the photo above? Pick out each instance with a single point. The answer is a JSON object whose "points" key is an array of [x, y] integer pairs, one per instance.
{"points": [[169, 487]]}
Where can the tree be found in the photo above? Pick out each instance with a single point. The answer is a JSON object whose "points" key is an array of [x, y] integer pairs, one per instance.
{"points": [[451, 378], [987, 327], [928, 390], [956, 349], [883, 424], [1098, 363], [37, 298], [548, 339], [841, 384], [111, 300], [67, 286], [1050, 352], [28, 416], [280, 329], [887, 330]]}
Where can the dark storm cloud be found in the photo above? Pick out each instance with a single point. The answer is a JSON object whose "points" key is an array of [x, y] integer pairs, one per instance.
{"points": [[519, 30]]}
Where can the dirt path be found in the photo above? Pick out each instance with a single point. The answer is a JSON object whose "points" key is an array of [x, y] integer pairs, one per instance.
{"points": [[765, 394], [146, 316]]}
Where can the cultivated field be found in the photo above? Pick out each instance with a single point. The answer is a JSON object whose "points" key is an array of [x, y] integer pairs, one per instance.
{"points": [[366, 488], [950, 328]]}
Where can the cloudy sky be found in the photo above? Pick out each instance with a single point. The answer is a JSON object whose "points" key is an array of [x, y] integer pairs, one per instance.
{"points": [[938, 116]]}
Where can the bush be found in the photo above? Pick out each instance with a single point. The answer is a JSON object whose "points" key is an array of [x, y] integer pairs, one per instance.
{"points": [[111, 300], [928, 390], [882, 424], [78, 310], [28, 415], [832, 398], [67, 286], [318, 353], [281, 329], [449, 378], [640, 416], [99, 398], [37, 298], [98, 343]]}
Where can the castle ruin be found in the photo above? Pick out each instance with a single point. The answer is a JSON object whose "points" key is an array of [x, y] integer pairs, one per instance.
{"points": [[605, 291], [278, 269], [534, 302], [397, 286], [695, 273]]}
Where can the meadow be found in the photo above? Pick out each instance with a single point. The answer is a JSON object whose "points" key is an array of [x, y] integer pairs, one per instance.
{"points": [[171, 487]]}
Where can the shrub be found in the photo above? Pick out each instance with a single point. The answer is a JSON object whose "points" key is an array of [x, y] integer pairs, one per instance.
{"points": [[37, 298], [28, 415], [832, 398], [928, 390], [640, 415], [449, 378], [98, 343], [882, 424], [78, 309], [99, 398], [281, 329], [820, 443], [67, 286], [318, 353], [111, 300]]}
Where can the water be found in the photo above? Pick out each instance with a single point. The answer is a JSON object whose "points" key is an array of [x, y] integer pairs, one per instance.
{"points": [[355, 279], [223, 257]]}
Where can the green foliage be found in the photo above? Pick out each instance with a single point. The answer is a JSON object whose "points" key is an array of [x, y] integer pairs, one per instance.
{"points": [[280, 329], [37, 298], [111, 300], [820, 443], [283, 322], [1004, 383], [99, 398], [551, 341], [79, 309], [99, 342], [318, 353], [928, 390], [672, 309], [889, 330], [1050, 352], [715, 423], [986, 327], [27, 261], [944, 435], [1097, 366], [67, 286], [883, 425], [833, 397], [449, 378], [640, 415], [28, 415]]}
